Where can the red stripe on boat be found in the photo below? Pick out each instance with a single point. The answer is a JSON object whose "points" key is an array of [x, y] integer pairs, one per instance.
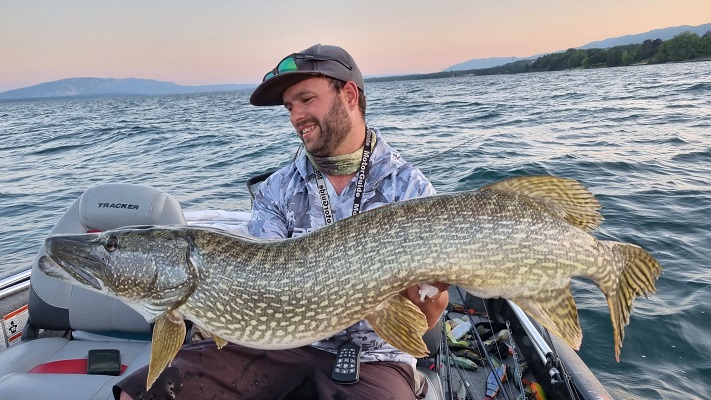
{"points": [[76, 366], [19, 310]]}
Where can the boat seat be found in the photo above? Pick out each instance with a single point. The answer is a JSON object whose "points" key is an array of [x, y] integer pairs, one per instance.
{"points": [[434, 384], [55, 367], [59, 305]]}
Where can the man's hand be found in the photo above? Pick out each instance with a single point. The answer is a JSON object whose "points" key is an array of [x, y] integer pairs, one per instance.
{"points": [[432, 307]]}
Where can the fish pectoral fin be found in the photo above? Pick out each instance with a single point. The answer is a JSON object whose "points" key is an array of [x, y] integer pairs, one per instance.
{"points": [[563, 198], [555, 309], [168, 336], [219, 341], [401, 323]]}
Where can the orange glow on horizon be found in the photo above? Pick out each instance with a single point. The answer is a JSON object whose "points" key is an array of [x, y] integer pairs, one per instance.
{"points": [[217, 42]]}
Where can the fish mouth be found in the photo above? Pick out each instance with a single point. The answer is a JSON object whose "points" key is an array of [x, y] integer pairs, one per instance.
{"points": [[74, 258]]}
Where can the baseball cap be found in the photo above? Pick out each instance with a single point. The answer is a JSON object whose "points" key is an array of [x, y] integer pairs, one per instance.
{"points": [[317, 60]]}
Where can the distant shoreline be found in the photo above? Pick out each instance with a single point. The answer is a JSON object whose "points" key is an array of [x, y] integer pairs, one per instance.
{"points": [[108, 96], [481, 71], [394, 78], [686, 46]]}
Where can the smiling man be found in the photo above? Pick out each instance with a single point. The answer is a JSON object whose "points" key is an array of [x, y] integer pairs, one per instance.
{"points": [[345, 167]]}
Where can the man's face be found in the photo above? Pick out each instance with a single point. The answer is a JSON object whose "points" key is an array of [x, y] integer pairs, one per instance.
{"points": [[319, 116]]}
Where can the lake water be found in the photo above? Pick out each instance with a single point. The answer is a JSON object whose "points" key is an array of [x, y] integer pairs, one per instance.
{"points": [[638, 137]]}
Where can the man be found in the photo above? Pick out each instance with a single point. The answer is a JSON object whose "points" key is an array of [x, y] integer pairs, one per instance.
{"points": [[345, 168]]}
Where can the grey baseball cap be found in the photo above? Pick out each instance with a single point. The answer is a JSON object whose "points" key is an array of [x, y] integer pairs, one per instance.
{"points": [[317, 60]]}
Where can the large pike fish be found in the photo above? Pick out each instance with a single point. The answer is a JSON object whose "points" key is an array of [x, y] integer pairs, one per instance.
{"points": [[521, 239]]}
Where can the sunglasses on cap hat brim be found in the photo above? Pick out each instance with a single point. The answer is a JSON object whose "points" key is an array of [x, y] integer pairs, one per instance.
{"points": [[290, 63]]}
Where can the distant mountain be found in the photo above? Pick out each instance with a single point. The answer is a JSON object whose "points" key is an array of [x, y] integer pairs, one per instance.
{"points": [[490, 62], [82, 87], [664, 34]]}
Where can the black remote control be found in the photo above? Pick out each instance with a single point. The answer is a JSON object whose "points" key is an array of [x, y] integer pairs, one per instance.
{"points": [[347, 366]]}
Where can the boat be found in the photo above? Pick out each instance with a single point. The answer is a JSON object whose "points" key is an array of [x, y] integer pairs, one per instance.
{"points": [[50, 327]]}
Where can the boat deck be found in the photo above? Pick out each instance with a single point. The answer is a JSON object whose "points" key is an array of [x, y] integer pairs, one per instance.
{"points": [[462, 382]]}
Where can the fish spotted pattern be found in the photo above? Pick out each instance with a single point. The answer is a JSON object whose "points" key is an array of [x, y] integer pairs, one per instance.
{"points": [[521, 239]]}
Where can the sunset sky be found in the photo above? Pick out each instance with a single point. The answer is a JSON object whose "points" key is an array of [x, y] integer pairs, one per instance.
{"points": [[213, 41]]}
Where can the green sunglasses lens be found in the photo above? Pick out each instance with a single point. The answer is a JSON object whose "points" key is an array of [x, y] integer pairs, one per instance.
{"points": [[286, 65]]}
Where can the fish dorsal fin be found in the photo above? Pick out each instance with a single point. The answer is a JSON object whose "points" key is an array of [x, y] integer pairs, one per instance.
{"points": [[402, 324], [555, 309], [564, 198], [168, 335]]}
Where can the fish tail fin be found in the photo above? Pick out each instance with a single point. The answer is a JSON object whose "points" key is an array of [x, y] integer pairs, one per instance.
{"points": [[637, 276]]}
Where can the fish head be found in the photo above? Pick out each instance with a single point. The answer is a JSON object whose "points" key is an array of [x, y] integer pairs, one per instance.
{"points": [[152, 269]]}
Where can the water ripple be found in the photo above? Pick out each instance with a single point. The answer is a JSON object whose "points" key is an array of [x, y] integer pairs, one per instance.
{"points": [[638, 137]]}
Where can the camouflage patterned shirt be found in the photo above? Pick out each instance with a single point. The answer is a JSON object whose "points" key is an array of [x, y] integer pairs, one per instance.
{"points": [[288, 204]]}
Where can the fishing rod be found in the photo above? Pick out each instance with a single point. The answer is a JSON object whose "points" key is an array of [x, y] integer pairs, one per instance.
{"points": [[513, 348], [546, 354], [480, 342], [566, 375], [443, 344], [463, 380], [518, 374], [462, 143], [549, 356]]}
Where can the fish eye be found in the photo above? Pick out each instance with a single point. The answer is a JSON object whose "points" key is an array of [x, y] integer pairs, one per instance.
{"points": [[111, 243]]}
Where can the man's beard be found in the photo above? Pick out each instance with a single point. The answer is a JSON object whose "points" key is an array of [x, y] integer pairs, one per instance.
{"points": [[334, 129]]}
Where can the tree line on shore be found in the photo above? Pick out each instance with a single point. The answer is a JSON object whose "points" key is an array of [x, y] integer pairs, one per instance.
{"points": [[683, 47], [686, 46]]}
